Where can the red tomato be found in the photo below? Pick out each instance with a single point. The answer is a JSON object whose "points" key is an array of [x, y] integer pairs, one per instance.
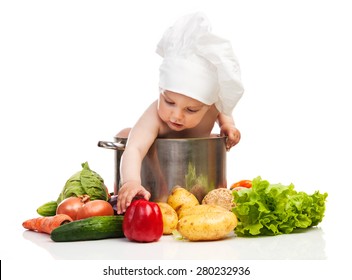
{"points": [[71, 205], [242, 183], [95, 208]]}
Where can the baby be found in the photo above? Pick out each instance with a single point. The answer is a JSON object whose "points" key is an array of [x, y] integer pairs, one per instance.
{"points": [[199, 86]]}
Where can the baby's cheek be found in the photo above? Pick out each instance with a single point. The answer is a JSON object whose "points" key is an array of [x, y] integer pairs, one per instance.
{"points": [[162, 115]]}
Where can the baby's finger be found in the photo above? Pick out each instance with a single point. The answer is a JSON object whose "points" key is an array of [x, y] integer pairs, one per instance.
{"points": [[118, 207], [123, 200], [128, 201], [147, 195]]}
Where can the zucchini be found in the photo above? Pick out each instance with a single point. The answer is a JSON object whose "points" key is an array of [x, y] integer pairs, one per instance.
{"points": [[93, 228], [47, 209]]}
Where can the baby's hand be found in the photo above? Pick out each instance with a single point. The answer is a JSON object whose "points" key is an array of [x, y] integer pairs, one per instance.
{"points": [[127, 192], [232, 133]]}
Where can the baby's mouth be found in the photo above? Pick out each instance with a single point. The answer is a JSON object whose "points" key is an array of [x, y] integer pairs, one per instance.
{"points": [[174, 125]]}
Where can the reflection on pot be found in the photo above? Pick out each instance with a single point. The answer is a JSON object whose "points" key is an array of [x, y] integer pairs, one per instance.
{"points": [[198, 184]]}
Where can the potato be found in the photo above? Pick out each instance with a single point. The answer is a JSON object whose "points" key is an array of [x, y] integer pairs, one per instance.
{"points": [[181, 198], [200, 209], [170, 217], [207, 226], [221, 196]]}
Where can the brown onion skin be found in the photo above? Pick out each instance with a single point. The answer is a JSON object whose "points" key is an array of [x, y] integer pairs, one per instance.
{"points": [[95, 208], [70, 206]]}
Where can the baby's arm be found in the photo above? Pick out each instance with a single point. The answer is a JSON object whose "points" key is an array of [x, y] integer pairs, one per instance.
{"points": [[228, 128], [140, 139]]}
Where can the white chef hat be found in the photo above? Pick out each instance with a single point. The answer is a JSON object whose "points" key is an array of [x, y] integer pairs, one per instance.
{"points": [[199, 64]]}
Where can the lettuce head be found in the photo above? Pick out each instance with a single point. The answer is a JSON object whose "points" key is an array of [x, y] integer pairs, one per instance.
{"points": [[272, 209]]}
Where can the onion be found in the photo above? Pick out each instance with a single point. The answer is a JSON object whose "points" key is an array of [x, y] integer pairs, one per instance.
{"points": [[95, 208], [71, 205]]}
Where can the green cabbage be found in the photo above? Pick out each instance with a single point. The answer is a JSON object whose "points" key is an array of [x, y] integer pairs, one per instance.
{"points": [[83, 182], [272, 209]]}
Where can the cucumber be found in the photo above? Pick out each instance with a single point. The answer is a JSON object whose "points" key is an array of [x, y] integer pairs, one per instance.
{"points": [[93, 228], [47, 209]]}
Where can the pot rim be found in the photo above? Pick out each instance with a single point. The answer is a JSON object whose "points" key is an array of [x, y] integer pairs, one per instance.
{"points": [[211, 137]]}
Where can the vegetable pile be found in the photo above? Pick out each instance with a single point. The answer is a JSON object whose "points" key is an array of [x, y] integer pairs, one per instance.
{"points": [[272, 209], [81, 212], [85, 210], [84, 182], [200, 222]]}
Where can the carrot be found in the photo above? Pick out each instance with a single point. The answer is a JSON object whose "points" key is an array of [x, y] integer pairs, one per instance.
{"points": [[46, 224]]}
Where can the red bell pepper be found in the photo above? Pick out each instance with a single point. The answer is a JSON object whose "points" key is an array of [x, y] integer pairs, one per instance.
{"points": [[143, 221]]}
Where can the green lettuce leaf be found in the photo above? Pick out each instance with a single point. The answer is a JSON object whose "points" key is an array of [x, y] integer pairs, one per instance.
{"points": [[83, 182], [272, 209]]}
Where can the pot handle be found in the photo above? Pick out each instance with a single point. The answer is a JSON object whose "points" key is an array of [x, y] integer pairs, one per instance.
{"points": [[112, 145]]}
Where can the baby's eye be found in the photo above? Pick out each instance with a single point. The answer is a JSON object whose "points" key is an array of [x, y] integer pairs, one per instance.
{"points": [[169, 102], [191, 110]]}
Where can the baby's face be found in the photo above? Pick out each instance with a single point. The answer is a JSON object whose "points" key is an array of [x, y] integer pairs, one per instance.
{"points": [[180, 112]]}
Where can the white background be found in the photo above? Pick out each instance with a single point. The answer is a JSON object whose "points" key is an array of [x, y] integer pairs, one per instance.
{"points": [[76, 72]]}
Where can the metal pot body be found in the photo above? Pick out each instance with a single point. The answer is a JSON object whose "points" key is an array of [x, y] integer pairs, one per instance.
{"points": [[196, 164]]}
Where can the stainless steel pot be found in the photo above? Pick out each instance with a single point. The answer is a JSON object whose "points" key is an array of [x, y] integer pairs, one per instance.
{"points": [[197, 164]]}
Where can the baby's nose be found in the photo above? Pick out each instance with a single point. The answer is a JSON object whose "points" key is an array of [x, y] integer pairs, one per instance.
{"points": [[177, 114]]}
